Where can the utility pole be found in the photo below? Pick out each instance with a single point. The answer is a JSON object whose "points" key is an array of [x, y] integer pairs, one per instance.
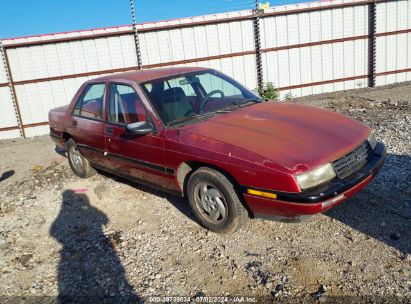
{"points": [[136, 40]]}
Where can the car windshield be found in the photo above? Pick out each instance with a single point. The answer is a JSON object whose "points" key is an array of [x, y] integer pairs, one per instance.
{"points": [[188, 96]]}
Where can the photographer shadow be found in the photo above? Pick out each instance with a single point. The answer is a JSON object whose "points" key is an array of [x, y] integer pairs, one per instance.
{"points": [[89, 269]]}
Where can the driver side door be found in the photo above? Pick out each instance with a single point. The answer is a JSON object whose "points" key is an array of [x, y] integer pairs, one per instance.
{"points": [[137, 156]]}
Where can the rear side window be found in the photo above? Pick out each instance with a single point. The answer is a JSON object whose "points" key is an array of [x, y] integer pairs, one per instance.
{"points": [[125, 106], [90, 103]]}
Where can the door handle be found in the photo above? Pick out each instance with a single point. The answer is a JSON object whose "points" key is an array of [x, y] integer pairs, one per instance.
{"points": [[74, 122], [109, 131]]}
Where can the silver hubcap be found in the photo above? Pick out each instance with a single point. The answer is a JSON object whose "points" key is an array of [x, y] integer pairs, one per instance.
{"points": [[210, 202], [75, 158]]}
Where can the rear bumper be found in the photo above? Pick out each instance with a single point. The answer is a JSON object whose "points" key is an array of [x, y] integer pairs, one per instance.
{"points": [[292, 206]]}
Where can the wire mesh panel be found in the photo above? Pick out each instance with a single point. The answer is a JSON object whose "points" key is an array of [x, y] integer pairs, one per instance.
{"points": [[64, 57], [307, 51], [195, 42], [48, 69], [8, 122], [226, 46], [393, 58]]}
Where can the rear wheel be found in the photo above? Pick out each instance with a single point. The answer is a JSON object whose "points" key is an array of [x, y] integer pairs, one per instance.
{"points": [[215, 202], [78, 163]]}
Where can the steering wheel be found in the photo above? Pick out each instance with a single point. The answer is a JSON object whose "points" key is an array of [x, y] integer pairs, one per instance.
{"points": [[207, 98]]}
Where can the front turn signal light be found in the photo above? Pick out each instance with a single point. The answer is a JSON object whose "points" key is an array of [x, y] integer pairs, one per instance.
{"points": [[261, 193]]}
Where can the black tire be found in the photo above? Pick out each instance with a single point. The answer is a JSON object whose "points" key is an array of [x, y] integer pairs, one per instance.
{"points": [[82, 168], [221, 191]]}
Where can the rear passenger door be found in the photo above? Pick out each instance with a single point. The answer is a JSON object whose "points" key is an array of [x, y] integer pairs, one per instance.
{"points": [[139, 156], [87, 122]]}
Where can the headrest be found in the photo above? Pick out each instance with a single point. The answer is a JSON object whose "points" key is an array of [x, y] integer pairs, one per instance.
{"points": [[171, 95]]}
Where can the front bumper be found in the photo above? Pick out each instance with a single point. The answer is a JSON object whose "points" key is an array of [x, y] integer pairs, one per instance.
{"points": [[295, 205], [57, 139]]}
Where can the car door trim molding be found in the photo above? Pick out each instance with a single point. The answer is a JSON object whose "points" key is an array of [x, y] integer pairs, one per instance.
{"points": [[83, 146], [138, 162], [88, 118], [142, 163], [140, 181]]}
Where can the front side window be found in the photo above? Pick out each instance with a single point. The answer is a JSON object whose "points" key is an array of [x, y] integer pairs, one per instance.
{"points": [[193, 94], [90, 103], [125, 106]]}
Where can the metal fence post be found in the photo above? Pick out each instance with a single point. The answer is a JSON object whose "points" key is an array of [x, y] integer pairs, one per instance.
{"points": [[372, 28], [13, 95], [136, 40], [257, 42]]}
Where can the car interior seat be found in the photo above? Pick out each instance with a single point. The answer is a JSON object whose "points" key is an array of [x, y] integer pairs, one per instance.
{"points": [[175, 104], [156, 93]]}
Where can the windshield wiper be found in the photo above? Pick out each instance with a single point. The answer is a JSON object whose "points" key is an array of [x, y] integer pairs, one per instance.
{"points": [[236, 104], [253, 100], [239, 104], [195, 117], [183, 119]]}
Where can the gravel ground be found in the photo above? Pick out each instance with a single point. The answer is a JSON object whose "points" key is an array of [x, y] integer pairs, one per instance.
{"points": [[64, 236]]}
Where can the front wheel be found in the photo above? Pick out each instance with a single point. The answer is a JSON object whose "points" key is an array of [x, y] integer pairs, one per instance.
{"points": [[78, 163], [215, 202]]}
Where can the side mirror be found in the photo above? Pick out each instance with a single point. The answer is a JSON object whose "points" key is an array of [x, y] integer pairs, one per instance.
{"points": [[139, 128]]}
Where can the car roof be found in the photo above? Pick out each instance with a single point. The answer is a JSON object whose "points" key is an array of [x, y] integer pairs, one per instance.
{"points": [[140, 76]]}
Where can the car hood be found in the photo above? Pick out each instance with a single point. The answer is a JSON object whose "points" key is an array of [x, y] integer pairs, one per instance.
{"points": [[294, 136]]}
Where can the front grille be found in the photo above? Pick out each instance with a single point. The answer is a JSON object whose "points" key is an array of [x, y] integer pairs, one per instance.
{"points": [[353, 161]]}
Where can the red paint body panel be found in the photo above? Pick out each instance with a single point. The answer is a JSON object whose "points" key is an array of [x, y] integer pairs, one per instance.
{"points": [[148, 148], [260, 146], [269, 207], [295, 136], [247, 167]]}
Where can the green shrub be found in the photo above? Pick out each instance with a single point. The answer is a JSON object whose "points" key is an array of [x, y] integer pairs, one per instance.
{"points": [[289, 96], [268, 91]]}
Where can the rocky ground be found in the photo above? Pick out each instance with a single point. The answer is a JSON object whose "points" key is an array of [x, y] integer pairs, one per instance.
{"points": [[127, 242]]}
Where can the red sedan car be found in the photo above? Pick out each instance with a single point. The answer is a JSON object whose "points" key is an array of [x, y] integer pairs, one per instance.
{"points": [[199, 134]]}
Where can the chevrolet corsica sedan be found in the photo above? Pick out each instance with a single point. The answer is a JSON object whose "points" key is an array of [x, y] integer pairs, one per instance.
{"points": [[199, 134]]}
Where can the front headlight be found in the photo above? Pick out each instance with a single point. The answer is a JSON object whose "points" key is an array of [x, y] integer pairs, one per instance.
{"points": [[372, 140], [315, 177]]}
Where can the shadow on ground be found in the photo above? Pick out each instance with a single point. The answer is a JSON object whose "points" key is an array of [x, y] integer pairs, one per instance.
{"points": [[6, 175], [61, 151], [383, 209], [89, 269], [181, 204]]}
